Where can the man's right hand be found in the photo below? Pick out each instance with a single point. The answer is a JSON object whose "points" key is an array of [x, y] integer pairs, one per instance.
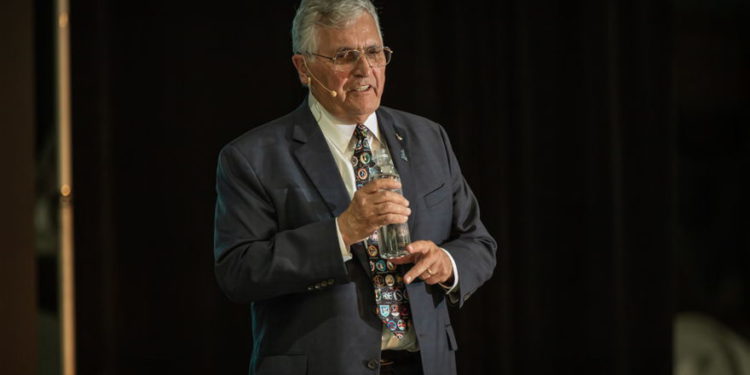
{"points": [[373, 206]]}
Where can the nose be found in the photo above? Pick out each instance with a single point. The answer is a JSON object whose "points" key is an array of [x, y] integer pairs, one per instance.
{"points": [[362, 66]]}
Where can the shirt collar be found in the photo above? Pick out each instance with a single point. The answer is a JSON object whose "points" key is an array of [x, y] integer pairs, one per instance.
{"points": [[337, 132]]}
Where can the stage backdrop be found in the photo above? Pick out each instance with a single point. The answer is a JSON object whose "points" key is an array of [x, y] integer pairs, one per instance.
{"points": [[561, 115]]}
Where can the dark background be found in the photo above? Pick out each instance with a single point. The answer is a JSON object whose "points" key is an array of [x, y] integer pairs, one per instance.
{"points": [[606, 141]]}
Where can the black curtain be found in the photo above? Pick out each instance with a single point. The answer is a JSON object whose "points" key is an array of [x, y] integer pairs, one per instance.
{"points": [[561, 114]]}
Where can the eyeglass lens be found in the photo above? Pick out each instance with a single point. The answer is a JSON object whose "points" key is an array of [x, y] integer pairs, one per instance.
{"points": [[376, 56]]}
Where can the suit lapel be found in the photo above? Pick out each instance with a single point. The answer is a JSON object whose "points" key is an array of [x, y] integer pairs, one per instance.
{"points": [[316, 159], [314, 155], [398, 144]]}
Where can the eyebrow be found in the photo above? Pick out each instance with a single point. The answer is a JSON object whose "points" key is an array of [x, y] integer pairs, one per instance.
{"points": [[347, 48]]}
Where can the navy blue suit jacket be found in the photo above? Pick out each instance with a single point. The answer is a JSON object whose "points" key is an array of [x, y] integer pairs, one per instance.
{"points": [[276, 247]]}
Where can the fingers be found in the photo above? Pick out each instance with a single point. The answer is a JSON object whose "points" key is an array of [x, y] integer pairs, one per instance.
{"points": [[420, 247], [380, 184], [415, 249], [385, 201], [427, 274], [404, 259], [437, 272], [385, 213], [385, 196], [432, 264], [391, 208], [380, 207], [371, 208]]}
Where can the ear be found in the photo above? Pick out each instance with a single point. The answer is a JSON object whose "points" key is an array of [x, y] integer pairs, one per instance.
{"points": [[299, 63]]}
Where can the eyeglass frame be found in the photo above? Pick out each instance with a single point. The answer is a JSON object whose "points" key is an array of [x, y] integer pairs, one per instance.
{"points": [[361, 52]]}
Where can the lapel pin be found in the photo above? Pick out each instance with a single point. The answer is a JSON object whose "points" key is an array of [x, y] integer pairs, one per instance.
{"points": [[400, 138]]}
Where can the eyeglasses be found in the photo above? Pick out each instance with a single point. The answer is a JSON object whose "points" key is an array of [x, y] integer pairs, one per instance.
{"points": [[345, 60]]}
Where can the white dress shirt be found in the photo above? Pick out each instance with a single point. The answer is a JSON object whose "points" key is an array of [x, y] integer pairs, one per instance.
{"points": [[340, 139]]}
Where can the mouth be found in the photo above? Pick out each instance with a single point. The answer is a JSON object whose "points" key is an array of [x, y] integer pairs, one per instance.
{"points": [[361, 88]]}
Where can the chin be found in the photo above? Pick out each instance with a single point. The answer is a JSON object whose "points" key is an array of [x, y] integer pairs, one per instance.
{"points": [[370, 107], [366, 111]]}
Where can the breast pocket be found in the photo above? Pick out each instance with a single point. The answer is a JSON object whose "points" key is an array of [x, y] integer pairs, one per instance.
{"points": [[437, 215], [436, 196]]}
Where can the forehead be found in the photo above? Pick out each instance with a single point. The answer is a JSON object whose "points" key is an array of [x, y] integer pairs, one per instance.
{"points": [[359, 33]]}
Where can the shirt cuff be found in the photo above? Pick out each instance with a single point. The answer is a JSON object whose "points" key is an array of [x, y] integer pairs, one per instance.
{"points": [[346, 254], [450, 288]]}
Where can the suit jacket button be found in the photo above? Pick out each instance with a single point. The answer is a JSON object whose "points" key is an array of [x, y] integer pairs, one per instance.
{"points": [[372, 364]]}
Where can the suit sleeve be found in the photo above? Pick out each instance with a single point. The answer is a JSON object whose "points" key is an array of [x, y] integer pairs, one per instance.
{"points": [[254, 258], [470, 245]]}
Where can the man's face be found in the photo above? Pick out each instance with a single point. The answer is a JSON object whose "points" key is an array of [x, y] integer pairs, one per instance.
{"points": [[358, 90]]}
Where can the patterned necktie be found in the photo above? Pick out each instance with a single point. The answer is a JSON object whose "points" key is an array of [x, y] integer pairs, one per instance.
{"points": [[390, 293]]}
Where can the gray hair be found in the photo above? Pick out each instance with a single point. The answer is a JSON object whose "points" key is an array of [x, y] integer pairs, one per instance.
{"points": [[312, 14]]}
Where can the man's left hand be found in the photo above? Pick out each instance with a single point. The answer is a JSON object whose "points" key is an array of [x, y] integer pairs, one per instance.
{"points": [[431, 264]]}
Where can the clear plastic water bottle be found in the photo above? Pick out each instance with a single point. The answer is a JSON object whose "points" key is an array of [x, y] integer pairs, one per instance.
{"points": [[392, 238]]}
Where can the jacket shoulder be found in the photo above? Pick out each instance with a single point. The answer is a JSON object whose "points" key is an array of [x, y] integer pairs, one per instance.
{"points": [[404, 117], [269, 133], [415, 124]]}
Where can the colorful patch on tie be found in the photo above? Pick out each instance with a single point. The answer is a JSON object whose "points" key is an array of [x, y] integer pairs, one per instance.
{"points": [[365, 158], [380, 265], [397, 295], [401, 325], [354, 161], [378, 280], [390, 265], [404, 310], [385, 310], [389, 280], [399, 279], [372, 250], [362, 174], [372, 266], [388, 295], [392, 325], [378, 295]]}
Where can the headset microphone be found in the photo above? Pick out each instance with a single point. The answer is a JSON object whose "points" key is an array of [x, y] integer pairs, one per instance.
{"points": [[309, 72], [331, 92]]}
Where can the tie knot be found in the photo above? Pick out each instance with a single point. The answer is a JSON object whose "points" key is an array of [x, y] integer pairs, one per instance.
{"points": [[361, 132]]}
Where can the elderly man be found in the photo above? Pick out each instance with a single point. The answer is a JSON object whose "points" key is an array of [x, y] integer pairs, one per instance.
{"points": [[296, 217]]}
